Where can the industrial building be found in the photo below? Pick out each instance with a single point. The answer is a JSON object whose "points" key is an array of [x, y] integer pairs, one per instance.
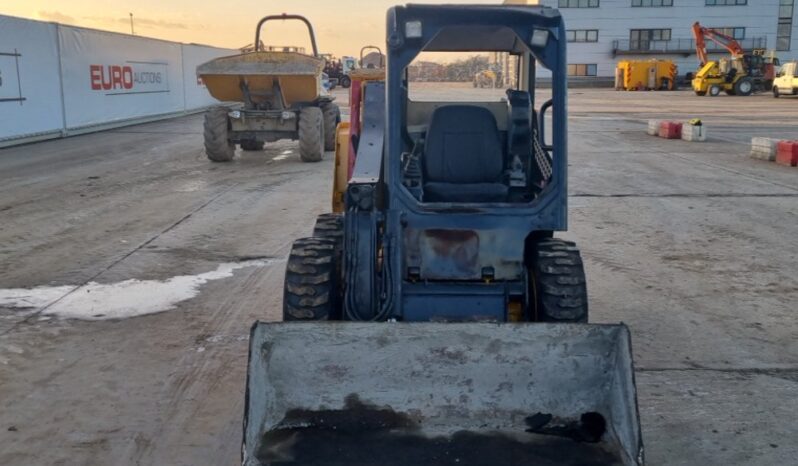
{"points": [[602, 32]]}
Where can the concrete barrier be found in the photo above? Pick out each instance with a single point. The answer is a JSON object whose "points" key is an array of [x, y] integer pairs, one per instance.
{"points": [[763, 148], [694, 133], [653, 127]]}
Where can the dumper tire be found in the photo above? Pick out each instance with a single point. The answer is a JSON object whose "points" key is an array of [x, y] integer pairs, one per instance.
{"points": [[332, 116], [558, 282], [346, 81], [251, 145], [311, 286], [311, 134], [218, 147]]}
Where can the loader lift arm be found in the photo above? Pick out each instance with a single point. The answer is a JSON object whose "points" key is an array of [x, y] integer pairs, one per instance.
{"points": [[701, 33]]}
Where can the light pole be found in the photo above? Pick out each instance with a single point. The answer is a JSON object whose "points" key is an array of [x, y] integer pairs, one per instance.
{"points": [[132, 32]]}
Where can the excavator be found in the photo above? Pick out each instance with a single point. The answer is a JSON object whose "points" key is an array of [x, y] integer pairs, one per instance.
{"points": [[741, 74], [437, 317]]}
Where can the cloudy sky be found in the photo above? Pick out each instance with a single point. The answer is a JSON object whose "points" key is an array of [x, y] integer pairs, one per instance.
{"points": [[342, 26]]}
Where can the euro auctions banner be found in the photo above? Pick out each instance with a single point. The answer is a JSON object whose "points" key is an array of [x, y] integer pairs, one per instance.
{"points": [[111, 77], [30, 91]]}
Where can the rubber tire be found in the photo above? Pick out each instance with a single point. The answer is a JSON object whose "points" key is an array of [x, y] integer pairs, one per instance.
{"points": [[251, 145], [738, 87], [311, 134], [559, 286], [218, 147], [332, 116], [310, 288], [776, 92], [713, 91], [345, 82], [330, 226]]}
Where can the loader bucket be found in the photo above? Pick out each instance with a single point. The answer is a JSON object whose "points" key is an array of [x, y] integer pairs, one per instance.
{"points": [[440, 393]]}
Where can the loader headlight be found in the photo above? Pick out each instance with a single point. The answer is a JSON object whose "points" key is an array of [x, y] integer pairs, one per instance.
{"points": [[413, 30], [235, 114], [540, 37], [287, 115]]}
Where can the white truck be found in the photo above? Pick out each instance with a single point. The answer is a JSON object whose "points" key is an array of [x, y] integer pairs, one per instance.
{"points": [[786, 82]]}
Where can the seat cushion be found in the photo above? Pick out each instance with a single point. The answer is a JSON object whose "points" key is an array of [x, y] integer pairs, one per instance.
{"points": [[463, 146], [465, 192]]}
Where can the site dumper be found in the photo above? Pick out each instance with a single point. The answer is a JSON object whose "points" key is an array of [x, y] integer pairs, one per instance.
{"points": [[280, 96], [438, 319]]}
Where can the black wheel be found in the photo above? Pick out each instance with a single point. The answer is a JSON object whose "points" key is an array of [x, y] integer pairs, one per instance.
{"points": [[330, 226], [558, 282], [332, 116], [251, 145], [744, 87], [776, 92], [311, 288], [218, 147], [346, 82], [714, 90], [311, 134]]}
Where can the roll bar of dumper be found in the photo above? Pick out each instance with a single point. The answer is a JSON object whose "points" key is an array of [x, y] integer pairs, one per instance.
{"points": [[372, 47], [284, 17]]}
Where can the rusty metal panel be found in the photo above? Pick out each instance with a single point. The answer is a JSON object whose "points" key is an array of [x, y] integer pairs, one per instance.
{"points": [[463, 254]]}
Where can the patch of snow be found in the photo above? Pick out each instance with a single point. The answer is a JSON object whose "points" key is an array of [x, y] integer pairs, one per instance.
{"points": [[125, 299]]}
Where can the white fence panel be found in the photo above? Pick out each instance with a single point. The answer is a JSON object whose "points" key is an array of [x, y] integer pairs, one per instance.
{"points": [[197, 95], [30, 89], [110, 77]]}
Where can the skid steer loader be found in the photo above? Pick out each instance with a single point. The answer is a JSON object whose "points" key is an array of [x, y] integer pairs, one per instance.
{"points": [[438, 320], [283, 97]]}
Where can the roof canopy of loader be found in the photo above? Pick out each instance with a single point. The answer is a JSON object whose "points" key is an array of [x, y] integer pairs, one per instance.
{"points": [[498, 28]]}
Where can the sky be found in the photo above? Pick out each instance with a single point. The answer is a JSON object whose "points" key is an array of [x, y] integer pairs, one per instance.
{"points": [[342, 26]]}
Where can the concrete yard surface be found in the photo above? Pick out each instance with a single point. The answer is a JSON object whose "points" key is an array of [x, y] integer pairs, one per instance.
{"points": [[131, 270]]}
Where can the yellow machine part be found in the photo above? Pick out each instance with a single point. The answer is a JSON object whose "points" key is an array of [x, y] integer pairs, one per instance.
{"points": [[227, 88], [341, 175], [299, 76], [634, 75], [711, 75]]}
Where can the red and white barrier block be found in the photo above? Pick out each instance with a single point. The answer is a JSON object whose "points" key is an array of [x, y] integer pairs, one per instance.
{"points": [[670, 130], [787, 153]]}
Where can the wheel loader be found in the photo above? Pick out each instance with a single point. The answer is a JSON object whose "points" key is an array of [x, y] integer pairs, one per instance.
{"points": [[280, 95], [438, 319]]}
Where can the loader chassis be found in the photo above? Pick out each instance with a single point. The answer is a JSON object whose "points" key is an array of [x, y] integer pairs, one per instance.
{"points": [[451, 207]]}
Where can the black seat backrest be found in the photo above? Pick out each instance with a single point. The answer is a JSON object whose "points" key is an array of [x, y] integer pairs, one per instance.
{"points": [[519, 130], [463, 146]]}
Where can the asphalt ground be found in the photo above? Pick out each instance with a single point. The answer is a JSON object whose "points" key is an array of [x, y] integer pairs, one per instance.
{"points": [[693, 245]]}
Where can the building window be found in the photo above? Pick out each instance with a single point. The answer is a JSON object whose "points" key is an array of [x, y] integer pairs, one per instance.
{"points": [[578, 3], [726, 2], [784, 29], [641, 39], [583, 70], [582, 35], [733, 32], [652, 2]]}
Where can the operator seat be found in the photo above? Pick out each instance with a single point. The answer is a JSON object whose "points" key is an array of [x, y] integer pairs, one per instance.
{"points": [[463, 160]]}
